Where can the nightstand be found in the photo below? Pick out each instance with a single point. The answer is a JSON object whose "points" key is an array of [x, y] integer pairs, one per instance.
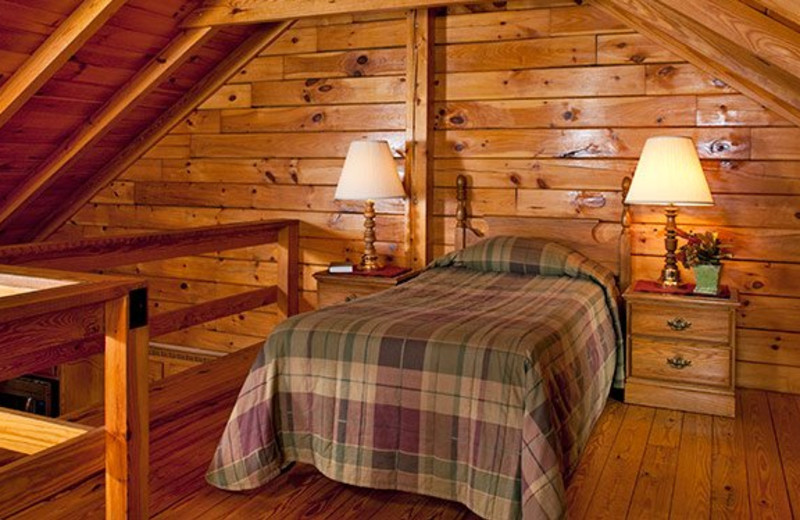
{"points": [[681, 352], [339, 288]]}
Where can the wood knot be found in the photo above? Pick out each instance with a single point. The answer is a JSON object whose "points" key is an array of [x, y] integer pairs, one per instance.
{"points": [[317, 117], [638, 58], [232, 97], [758, 285], [667, 71], [326, 88], [775, 346], [457, 120], [582, 199], [362, 60], [568, 115], [542, 184], [719, 83], [514, 178], [797, 215], [184, 286], [311, 81], [459, 147], [719, 146]]}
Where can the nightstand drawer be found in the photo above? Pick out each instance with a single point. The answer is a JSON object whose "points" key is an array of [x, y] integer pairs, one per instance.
{"points": [[333, 289], [679, 321], [335, 293], [684, 363]]}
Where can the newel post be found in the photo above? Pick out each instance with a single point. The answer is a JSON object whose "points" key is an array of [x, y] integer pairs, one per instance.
{"points": [[289, 269], [127, 414]]}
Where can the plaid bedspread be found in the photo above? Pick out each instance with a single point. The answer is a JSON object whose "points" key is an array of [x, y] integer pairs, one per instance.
{"points": [[479, 381]]}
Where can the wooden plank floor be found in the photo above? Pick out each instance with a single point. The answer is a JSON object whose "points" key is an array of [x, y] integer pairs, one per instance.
{"points": [[640, 463]]}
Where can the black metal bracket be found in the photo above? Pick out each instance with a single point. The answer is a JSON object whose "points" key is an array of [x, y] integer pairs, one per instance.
{"points": [[137, 309]]}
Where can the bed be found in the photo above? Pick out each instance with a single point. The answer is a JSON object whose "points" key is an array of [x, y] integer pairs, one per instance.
{"points": [[479, 381]]}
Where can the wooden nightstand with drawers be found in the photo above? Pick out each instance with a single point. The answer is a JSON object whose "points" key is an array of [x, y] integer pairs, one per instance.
{"points": [[339, 288], [681, 352]]}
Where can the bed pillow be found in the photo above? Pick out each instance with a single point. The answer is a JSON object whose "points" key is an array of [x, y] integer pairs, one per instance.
{"points": [[521, 255]]}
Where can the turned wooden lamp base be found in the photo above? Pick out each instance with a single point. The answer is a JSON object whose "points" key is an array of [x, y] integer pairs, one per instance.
{"points": [[670, 275], [369, 260]]}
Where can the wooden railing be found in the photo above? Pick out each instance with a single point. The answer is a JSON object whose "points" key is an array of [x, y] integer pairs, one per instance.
{"points": [[99, 313]]}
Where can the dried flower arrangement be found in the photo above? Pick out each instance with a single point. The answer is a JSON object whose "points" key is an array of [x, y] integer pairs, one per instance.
{"points": [[702, 249]]}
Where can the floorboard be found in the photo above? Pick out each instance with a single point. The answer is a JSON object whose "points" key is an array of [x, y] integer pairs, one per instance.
{"points": [[612, 496], [639, 463], [692, 495], [785, 412], [766, 482], [729, 497], [653, 492]]}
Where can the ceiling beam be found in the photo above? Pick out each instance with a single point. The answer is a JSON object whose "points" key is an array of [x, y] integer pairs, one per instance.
{"points": [[712, 52], [787, 9], [765, 37], [227, 12], [199, 92], [122, 102], [59, 47]]}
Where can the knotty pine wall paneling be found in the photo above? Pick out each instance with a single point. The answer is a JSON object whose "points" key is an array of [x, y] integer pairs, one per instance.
{"points": [[544, 105], [547, 110], [269, 144]]}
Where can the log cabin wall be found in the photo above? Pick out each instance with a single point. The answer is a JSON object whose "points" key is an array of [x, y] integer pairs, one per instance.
{"points": [[270, 144], [545, 108]]}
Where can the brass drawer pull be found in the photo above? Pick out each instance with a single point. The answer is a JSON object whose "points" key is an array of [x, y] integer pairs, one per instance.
{"points": [[350, 298], [679, 324], [678, 362]]}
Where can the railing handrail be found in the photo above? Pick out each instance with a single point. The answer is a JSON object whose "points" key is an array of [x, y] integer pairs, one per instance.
{"points": [[105, 252]]}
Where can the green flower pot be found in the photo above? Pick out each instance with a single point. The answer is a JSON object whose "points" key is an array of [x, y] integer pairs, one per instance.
{"points": [[707, 278]]}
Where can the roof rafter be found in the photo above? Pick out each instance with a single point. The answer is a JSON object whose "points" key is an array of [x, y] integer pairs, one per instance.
{"points": [[787, 9], [122, 102], [712, 51], [201, 91], [227, 12], [68, 37]]}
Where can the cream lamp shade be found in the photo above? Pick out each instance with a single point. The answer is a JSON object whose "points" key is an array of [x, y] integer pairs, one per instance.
{"points": [[369, 173], [669, 173]]}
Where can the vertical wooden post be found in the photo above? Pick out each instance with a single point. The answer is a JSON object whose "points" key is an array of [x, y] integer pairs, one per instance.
{"points": [[289, 269], [419, 133], [625, 239], [126, 408]]}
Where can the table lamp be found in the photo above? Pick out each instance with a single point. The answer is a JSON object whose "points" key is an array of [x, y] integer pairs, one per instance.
{"points": [[369, 174], [669, 174]]}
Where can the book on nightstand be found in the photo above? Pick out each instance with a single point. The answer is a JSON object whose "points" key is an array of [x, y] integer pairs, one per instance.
{"points": [[341, 267]]}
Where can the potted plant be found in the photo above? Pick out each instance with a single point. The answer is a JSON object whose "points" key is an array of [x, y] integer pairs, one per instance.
{"points": [[703, 253]]}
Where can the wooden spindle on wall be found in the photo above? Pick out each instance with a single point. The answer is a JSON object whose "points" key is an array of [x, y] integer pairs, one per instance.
{"points": [[625, 239], [461, 212]]}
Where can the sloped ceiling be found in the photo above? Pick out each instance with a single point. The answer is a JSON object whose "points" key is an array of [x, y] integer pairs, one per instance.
{"points": [[68, 103], [108, 70]]}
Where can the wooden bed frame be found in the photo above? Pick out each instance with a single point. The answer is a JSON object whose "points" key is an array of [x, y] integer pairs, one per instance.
{"points": [[605, 242], [50, 317]]}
